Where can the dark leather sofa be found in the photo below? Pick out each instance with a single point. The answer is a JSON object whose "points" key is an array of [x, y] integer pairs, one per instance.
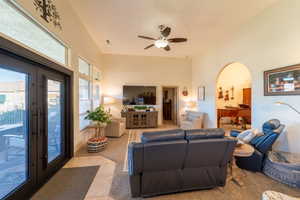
{"points": [[174, 161], [262, 144]]}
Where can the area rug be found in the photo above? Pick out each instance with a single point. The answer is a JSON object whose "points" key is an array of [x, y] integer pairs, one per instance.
{"points": [[68, 184], [134, 135]]}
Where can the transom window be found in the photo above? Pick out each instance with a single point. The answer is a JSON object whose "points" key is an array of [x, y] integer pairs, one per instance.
{"points": [[17, 25]]}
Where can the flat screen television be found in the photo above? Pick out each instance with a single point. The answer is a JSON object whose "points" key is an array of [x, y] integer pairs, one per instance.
{"points": [[139, 95]]}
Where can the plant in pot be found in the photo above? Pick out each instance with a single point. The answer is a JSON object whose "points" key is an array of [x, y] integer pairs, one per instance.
{"points": [[100, 118]]}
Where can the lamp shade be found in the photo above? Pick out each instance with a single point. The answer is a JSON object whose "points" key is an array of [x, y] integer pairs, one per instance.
{"points": [[191, 104], [108, 100]]}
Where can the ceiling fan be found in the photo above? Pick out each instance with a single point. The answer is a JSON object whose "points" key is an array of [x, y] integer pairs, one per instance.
{"points": [[163, 41]]}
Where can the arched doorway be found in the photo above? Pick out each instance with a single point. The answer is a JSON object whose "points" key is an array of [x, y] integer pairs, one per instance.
{"points": [[233, 97]]}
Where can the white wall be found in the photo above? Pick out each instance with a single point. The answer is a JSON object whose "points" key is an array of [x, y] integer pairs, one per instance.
{"points": [[145, 70], [270, 40], [75, 36], [234, 75]]}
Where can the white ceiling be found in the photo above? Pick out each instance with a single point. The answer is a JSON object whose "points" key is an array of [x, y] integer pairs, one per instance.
{"points": [[203, 22]]}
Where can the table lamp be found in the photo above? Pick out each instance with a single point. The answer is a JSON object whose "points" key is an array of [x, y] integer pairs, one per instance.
{"points": [[107, 101], [191, 105]]}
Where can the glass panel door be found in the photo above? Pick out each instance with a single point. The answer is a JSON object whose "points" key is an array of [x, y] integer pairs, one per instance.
{"points": [[52, 131], [35, 124], [54, 119], [13, 130]]}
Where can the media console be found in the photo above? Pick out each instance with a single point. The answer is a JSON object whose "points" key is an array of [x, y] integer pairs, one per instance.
{"points": [[145, 119]]}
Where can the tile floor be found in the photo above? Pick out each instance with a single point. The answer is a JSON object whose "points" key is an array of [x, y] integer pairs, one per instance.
{"points": [[111, 182]]}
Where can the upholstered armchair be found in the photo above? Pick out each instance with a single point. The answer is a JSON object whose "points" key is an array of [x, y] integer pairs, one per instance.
{"points": [[192, 120], [262, 144], [116, 128]]}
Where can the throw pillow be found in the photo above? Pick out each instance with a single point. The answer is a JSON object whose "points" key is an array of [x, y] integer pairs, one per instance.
{"points": [[247, 135]]}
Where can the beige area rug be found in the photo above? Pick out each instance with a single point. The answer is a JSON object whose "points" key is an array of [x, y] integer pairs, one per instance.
{"points": [[134, 135]]}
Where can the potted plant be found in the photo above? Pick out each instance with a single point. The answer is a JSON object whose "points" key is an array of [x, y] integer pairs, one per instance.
{"points": [[100, 118]]}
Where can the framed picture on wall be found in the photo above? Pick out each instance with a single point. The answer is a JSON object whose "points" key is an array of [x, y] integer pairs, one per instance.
{"points": [[201, 93], [282, 81]]}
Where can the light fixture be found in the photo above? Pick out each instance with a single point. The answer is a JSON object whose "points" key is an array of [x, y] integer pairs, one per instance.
{"points": [[108, 101], [191, 104], [162, 43], [286, 104]]}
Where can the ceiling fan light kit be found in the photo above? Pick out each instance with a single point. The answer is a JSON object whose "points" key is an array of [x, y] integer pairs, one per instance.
{"points": [[162, 41]]}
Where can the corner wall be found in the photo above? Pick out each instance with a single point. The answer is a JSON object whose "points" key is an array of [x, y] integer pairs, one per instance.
{"points": [[270, 40]]}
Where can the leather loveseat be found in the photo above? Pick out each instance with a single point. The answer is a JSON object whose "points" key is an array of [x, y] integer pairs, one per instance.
{"points": [[176, 160], [262, 144]]}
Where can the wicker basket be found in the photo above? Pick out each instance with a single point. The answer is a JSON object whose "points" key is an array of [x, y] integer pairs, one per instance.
{"points": [[97, 144]]}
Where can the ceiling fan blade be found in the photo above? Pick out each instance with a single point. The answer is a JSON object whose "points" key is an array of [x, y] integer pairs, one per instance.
{"points": [[147, 47], [174, 40], [166, 32], [145, 37], [167, 48]]}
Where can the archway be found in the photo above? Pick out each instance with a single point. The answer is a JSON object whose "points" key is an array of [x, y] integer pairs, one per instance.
{"points": [[234, 97]]}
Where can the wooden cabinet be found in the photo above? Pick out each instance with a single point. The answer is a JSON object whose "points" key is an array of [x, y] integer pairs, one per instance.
{"points": [[247, 96], [141, 119]]}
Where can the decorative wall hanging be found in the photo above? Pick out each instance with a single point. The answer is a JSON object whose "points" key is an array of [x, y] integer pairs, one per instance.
{"points": [[201, 93], [220, 95], [232, 93], [226, 98], [48, 12], [185, 92], [282, 81]]}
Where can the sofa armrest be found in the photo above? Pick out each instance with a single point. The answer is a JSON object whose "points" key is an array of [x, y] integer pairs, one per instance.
{"points": [[235, 133], [135, 167], [228, 154], [135, 158]]}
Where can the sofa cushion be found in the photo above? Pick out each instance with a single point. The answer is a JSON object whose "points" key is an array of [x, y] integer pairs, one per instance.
{"points": [[247, 135], [161, 136], [204, 133], [161, 156]]}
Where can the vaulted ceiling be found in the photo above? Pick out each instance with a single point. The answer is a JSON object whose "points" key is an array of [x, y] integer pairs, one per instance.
{"points": [[203, 22]]}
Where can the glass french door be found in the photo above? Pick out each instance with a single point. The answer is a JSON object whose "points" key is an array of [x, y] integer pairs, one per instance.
{"points": [[17, 127], [32, 126], [51, 122]]}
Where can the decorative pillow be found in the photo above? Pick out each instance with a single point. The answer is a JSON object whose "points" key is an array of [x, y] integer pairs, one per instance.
{"points": [[247, 135]]}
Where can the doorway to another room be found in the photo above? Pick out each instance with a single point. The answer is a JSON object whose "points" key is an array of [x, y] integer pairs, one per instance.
{"points": [[233, 97], [170, 105]]}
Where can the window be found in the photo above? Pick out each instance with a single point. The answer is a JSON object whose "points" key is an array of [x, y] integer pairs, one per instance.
{"points": [[85, 100], [89, 90], [96, 88], [15, 24]]}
